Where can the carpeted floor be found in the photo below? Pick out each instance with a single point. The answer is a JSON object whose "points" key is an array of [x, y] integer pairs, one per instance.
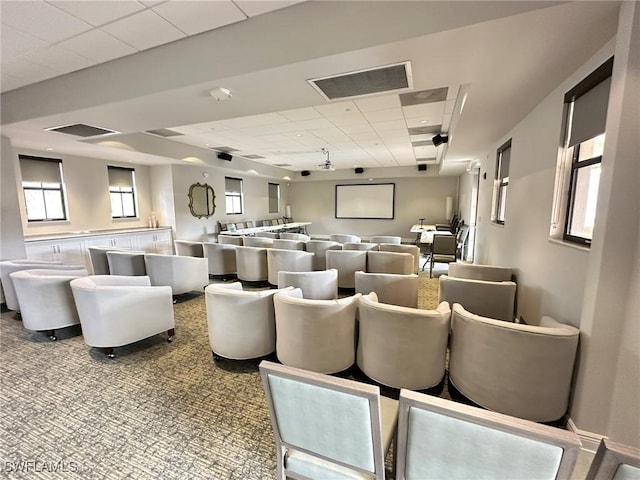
{"points": [[157, 410]]}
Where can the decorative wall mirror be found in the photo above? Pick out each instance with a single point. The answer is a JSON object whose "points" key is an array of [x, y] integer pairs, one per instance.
{"points": [[202, 200]]}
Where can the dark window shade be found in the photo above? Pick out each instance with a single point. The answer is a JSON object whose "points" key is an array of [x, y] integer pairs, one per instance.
{"points": [[590, 113], [233, 185], [120, 177], [274, 197], [42, 170], [505, 160]]}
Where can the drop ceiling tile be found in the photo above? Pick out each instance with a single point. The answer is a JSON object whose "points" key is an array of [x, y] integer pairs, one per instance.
{"points": [[99, 12], [385, 115], [383, 102], [196, 17], [425, 151], [258, 7], [314, 124], [357, 128], [254, 120], [59, 60], [270, 129], [98, 46], [353, 117], [21, 68], [301, 114], [16, 43], [337, 108], [390, 125], [144, 30], [432, 112]]}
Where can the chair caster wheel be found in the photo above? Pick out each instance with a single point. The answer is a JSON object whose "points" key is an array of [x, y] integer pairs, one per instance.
{"points": [[170, 339], [53, 338], [175, 300], [111, 355]]}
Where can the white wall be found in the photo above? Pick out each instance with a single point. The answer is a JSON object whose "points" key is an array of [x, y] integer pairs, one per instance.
{"points": [[416, 197]]}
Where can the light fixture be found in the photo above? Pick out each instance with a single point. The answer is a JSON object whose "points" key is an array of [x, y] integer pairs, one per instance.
{"points": [[220, 93]]}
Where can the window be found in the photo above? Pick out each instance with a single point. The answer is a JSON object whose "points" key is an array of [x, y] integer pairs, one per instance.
{"points": [[578, 173], [233, 195], [122, 192], [501, 183], [274, 198], [43, 188]]}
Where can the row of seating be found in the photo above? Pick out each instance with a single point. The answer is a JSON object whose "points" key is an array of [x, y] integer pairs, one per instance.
{"points": [[346, 428]]}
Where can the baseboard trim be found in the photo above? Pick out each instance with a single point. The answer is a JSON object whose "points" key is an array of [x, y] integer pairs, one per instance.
{"points": [[590, 440]]}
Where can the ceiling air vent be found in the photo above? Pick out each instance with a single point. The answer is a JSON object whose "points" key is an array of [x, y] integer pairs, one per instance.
{"points": [[253, 157], [224, 149], [164, 132], [81, 130], [365, 82]]}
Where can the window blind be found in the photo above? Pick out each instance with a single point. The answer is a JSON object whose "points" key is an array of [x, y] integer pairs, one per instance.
{"points": [[590, 113], [274, 198], [120, 177], [36, 169], [233, 185]]}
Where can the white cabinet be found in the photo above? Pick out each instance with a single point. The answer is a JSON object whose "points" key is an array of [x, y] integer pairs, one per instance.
{"points": [[69, 251], [122, 240], [155, 241]]}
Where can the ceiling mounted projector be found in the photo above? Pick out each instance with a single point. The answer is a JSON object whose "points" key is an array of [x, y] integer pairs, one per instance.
{"points": [[439, 139], [327, 165]]}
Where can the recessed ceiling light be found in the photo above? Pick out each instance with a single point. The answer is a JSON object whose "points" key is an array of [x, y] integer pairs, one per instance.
{"points": [[49, 149], [424, 121], [298, 135]]}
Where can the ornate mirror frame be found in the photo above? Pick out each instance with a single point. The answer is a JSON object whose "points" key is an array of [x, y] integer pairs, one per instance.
{"points": [[202, 200]]}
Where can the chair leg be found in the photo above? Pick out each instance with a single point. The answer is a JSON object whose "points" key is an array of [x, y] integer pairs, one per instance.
{"points": [[171, 332], [431, 268], [108, 351], [51, 334]]}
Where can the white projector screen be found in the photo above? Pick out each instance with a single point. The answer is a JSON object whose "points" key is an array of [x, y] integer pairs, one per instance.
{"points": [[375, 201]]}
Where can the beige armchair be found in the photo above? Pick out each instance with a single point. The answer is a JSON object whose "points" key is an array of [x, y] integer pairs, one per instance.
{"points": [[287, 260], [258, 242], [126, 263], [286, 244], [347, 262], [319, 248], [441, 439], [412, 249], [316, 335], [251, 264], [45, 298], [344, 238], [390, 262], [116, 310], [515, 369], [488, 299], [344, 431], [295, 236], [98, 258], [271, 235], [189, 248], [231, 240], [241, 323], [402, 347], [221, 259], [386, 239], [391, 288], [316, 285], [182, 274], [474, 271], [359, 246]]}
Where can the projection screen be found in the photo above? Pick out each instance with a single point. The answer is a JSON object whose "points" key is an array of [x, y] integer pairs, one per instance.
{"points": [[375, 201]]}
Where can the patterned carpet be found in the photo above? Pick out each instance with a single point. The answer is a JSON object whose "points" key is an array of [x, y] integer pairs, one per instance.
{"points": [[157, 410]]}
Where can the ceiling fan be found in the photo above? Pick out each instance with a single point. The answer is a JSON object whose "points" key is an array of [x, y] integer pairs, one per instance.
{"points": [[327, 165]]}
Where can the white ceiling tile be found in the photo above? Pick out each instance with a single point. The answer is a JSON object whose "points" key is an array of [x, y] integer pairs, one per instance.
{"points": [[373, 104], [9, 82], [196, 17], [144, 30], [258, 7], [152, 3], [300, 114], [432, 112], [384, 115], [59, 60], [390, 125], [21, 68], [15, 43], [357, 128], [336, 108], [99, 12], [41, 20], [255, 120], [419, 122], [98, 46], [428, 151], [315, 124], [270, 129]]}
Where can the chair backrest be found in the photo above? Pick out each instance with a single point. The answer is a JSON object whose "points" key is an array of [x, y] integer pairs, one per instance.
{"points": [[359, 246], [347, 262], [272, 235], [316, 285], [412, 249], [484, 298], [289, 244], [320, 247], [402, 347], [183, 274], [231, 240], [295, 236], [7, 267], [98, 257], [189, 248], [473, 271], [221, 258], [438, 438], [390, 262], [391, 288], [340, 427], [386, 239], [287, 260], [615, 461], [260, 242], [343, 238], [534, 364], [444, 245], [126, 263], [251, 264]]}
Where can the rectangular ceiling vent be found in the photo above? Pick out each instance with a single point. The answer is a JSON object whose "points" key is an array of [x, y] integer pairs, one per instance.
{"points": [[253, 157], [365, 82], [224, 149], [283, 165], [81, 130], [164, 132]]}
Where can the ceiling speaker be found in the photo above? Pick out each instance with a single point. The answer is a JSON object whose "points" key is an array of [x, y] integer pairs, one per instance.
{"points": [[439, 139], [224, 156], [305, 173], [359, 170], [422, 167]]}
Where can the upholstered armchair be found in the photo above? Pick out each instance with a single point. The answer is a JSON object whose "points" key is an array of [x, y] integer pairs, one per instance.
{"points": [[189, 248], [386, 239], [295, 236], [45, 298], [511, 368], [344, 431], [182, 274], [359, 246], [474, 271], [241, 323], [252, 265], [390, 262], [7, 267], [271, 235], [316, 285], [319, 248], [347, 262], [221, 259], [411, 249], [402, 347], [391, 288], [488, 299], [126, 263], [116, 310], [286, 244], [258, 242], [98, 258], [316, 335], [287, 260], [231, 240], [441, 439], [344, 238]]}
